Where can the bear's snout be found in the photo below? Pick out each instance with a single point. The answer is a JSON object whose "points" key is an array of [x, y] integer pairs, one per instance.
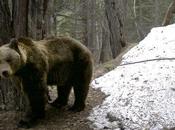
{"points": [[5, 73]]}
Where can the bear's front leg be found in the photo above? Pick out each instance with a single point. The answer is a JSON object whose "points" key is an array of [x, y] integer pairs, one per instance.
{"points": [[35, 92]]}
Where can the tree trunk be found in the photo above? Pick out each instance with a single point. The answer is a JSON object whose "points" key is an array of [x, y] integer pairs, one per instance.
{"points": [[36, 19], [157, 13], [11, 97], [26, 18], [20, 17], [140, 33], [75, 21], [83, 14], [106, 53], [8, 88], [40, 18], [48, 18], [89, 21], [6, 30], [115, 20], [91, 29], [169, 13]]}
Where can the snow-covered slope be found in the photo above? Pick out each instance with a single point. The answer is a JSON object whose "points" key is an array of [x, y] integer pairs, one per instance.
{"points": [[140, 95]]}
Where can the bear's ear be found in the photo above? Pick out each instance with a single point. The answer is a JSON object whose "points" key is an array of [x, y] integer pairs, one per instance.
{"points": [[18, 46], [26, 41], [14, 43]]}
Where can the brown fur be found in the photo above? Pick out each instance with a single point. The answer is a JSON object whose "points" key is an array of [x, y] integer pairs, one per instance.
{"points": [[58, 61]]}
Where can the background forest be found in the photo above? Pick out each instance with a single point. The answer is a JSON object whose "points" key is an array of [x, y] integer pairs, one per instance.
{"points": [[104, 26]]}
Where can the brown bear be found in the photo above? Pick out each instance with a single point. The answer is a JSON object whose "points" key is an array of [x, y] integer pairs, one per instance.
{"points": [[61, 61]]}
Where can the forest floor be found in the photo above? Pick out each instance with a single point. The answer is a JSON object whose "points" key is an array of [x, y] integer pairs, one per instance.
{"points": [[61, 119]]}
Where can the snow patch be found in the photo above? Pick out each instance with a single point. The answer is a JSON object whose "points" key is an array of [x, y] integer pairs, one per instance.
{"points": [[142, 95]]}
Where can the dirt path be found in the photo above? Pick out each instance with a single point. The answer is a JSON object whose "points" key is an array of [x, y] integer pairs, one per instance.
{"points": [[57, 119]]}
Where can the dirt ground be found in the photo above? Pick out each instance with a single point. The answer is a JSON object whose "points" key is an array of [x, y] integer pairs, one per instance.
{"points": [[56, 119], [62, 119]]}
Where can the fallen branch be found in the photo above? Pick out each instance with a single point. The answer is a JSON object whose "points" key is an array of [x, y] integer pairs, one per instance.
{"points": [[158, 59]]}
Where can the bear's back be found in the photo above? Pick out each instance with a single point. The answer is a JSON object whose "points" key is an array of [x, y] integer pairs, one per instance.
{"points": [[64, 56], [65, 48]]}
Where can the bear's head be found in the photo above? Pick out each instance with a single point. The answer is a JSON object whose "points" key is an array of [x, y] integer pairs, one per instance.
{"points": [[12, 57]]}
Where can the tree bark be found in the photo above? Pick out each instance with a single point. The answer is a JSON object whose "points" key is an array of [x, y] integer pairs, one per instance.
{"points": [[36, 19], [11, 97], [83, 14], [40, 18], [20, 17], [106, 53], [115, 20], [6, 29], [48, 18]]}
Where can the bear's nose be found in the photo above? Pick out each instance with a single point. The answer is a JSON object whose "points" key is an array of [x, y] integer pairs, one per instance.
{"points": [[5, 73]]}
